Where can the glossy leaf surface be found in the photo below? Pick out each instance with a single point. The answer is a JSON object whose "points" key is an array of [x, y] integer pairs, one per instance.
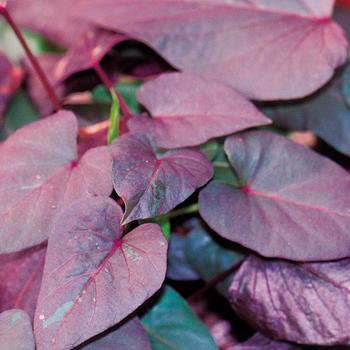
{"points": [[16, 331], [171, 324], [128, 336], [151, 185], [93, 273], [293, 204], [303, 303], [20, 279], [188, 110], [266, 49], [40, 174]]}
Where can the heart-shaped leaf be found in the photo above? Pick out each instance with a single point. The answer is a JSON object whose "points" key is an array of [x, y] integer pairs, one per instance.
{"points": [[16, 331], [94, 274], [40, 174], [267, 49], [188, 110], [293, 203], [151, 185], [171, 324], [20, 279], [304, 303], [128, 336]]}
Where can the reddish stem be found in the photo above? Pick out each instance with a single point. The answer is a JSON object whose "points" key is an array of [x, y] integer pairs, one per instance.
{"points": [[108, 84], [41, 74]]}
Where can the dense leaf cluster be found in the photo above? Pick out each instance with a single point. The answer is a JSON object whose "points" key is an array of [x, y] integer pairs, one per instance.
{"points": [[149, 145]]}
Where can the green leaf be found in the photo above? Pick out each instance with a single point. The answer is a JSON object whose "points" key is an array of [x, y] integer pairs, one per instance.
{"points": [[126, 89], [224, 172], [211, 149], [210, 259], [172, 325], [20, 112], [113, 130]]}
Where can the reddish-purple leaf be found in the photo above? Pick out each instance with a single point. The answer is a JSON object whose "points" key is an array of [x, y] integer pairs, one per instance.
{"points": [[93, 274], [53, 19], [40, 174], [188, 110], [16, 331], [20, 279], [152, 185], [128, 336], [267, 49], [10, 80], [91, 48], [293, 203], [260, 342], [304, 303]]}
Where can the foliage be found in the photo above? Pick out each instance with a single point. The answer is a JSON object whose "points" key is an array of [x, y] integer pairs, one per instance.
{"points": [[138, 125]]}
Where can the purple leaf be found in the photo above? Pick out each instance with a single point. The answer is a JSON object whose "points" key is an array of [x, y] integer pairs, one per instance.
{"points": [[267, 49], [20, 279], [128, 336], [53, 19], [260, 342], [151, 185], [93, 274], [10, 80], [188, 110], [16, 331], [92, 47], [303, 303], [40, 174], [293, 203]]}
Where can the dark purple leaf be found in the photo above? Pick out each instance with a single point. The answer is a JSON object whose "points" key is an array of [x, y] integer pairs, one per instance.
{"points": [[325, 113], [267, 49], [152, 185], [260, 342], [16, 331], [40, 173], [179, 268], [128, 336], [91, 48], [293, 203], [188, 110], [93, 274], [304, 303], [20, 279], [10, 80]]}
